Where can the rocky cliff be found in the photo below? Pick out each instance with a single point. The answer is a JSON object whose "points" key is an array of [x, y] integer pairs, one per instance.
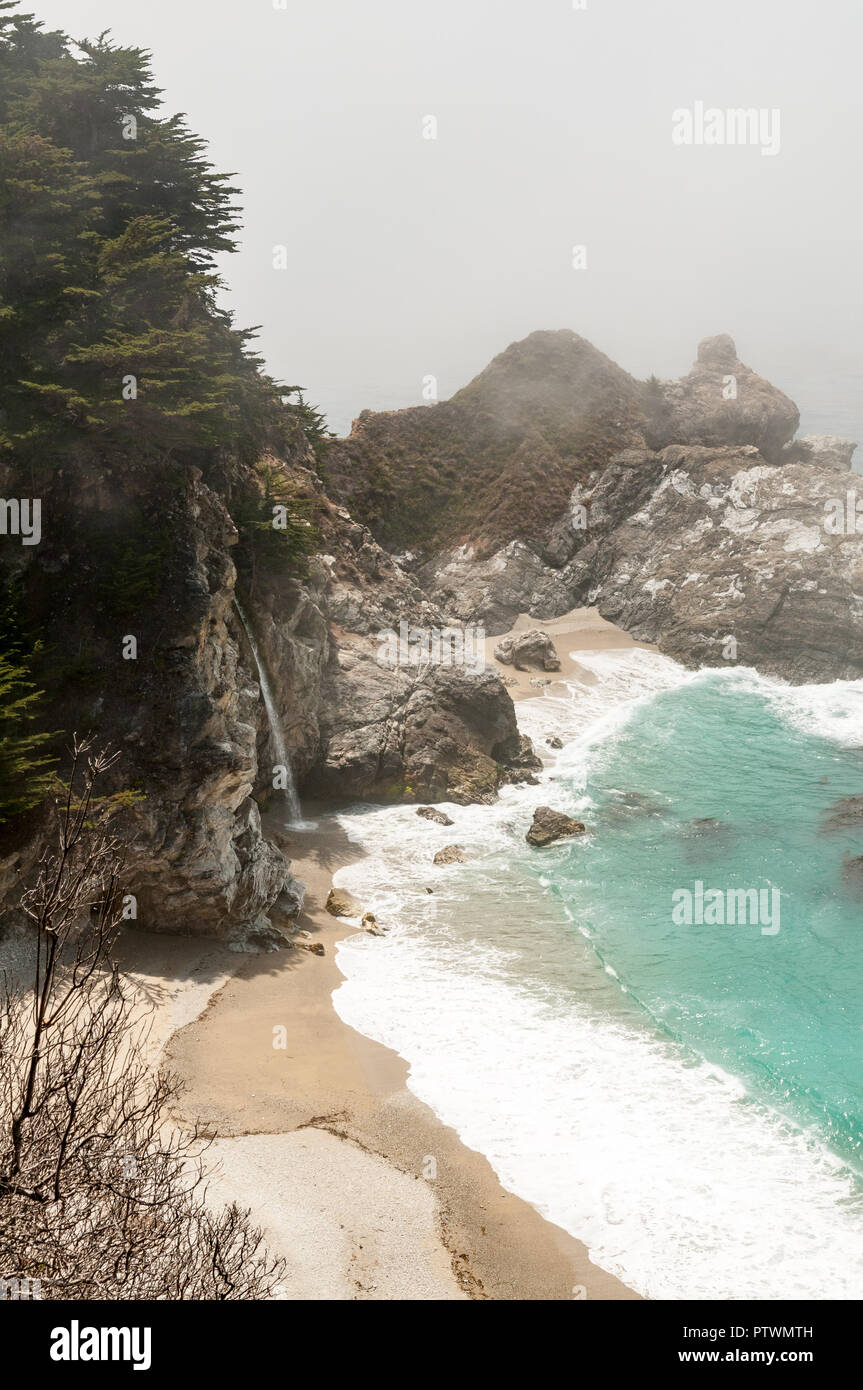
{"points": [[499, 460], [131, 590], [358, 724], [713, 532], [133, 595], [722, 401], [686, 512], [716, 555]]}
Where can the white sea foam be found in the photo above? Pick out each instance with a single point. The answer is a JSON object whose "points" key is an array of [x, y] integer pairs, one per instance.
{"points": [[834, 711], [677, 1180], [618, 681]]}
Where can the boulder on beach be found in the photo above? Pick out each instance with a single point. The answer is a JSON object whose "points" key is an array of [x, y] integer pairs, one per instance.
{"points": [[450, 854], [342, 904], [524, 650], [549, 825], [371, 925], [290, 901], [447, 738], [432, 813]]}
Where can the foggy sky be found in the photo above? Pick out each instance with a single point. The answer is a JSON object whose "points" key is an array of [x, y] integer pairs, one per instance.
{"points": [[411, 257]]}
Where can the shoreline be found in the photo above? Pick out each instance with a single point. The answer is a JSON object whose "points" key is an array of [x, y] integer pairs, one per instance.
{"points": [[360, 1186]]}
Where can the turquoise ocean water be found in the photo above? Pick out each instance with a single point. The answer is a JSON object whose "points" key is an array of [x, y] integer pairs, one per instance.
{"points": [[685, 1098], [710, 783]]}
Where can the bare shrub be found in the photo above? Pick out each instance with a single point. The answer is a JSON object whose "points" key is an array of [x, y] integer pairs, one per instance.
{"points": [[101, 1197]]}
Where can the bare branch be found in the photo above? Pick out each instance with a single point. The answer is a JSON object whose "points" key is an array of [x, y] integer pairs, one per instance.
{"points": [[100, 1196]]}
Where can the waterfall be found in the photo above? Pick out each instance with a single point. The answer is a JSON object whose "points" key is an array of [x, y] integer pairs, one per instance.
{"points": [[277, 736]]}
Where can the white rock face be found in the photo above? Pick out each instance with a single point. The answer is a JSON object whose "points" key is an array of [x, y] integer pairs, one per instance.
{"points": [[777, 573], [825, 450]]}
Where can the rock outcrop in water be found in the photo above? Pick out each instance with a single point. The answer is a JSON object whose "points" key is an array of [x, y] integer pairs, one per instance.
{"points": [[450, 854], [549, 825], [433, 814], [845, 814], [852, 872], [341, 903]]}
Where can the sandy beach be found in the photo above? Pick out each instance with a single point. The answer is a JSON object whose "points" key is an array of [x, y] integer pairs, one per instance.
{"points": [[582, 630], [355, 1182]]}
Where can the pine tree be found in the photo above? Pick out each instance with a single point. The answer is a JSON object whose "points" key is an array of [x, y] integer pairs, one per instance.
{"points": [[114, 350], [110, 221], [24, 771], [312, 422]]}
